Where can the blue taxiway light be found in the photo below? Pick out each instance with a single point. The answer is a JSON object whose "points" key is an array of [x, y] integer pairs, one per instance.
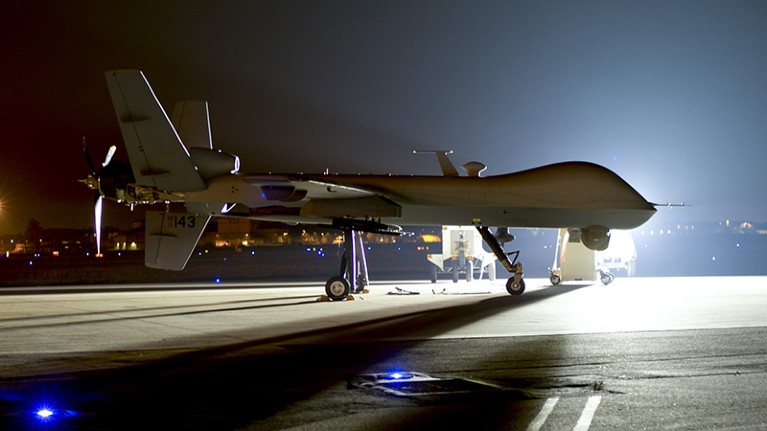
{"points": [[48, 414], [397, 375]]}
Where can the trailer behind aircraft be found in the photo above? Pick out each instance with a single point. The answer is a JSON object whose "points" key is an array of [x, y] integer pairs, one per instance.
{"points": [[575, 262], [462, 255]]}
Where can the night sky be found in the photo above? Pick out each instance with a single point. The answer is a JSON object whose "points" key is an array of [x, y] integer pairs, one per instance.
{"points": [[671, 95]]}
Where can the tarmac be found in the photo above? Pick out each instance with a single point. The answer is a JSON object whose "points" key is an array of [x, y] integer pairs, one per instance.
{"points": [[641, 353]]}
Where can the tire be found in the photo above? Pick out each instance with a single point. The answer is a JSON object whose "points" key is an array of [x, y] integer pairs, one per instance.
{"points": [[515, 289], [337, 288], [469, 271], [606, 278]]}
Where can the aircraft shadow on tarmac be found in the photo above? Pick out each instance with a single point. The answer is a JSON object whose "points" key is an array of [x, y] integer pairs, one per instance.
{"points": [[243, 383], [154, 312]]}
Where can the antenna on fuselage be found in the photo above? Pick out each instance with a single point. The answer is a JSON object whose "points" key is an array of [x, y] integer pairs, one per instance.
{"points": [[448, 169], [474, 169]]}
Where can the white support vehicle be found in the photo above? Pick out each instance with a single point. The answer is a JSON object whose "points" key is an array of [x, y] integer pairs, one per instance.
{"points": [[575, 262], [621, 255], [462, 255]]}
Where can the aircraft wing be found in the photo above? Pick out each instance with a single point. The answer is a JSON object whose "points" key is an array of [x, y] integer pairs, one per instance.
{"points": [[319, 198], [276, 187], [156, 153]]}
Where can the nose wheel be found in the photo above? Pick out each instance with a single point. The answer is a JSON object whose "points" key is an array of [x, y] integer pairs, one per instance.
{"points": [[516, 285]]}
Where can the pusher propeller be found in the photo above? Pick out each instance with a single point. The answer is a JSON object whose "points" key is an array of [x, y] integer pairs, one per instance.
{"points": [[94, 182]]}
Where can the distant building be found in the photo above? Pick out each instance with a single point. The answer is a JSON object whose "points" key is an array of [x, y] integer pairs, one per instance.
{"points": [[130, 240]]}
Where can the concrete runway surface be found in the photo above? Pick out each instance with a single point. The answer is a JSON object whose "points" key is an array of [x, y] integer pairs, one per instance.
{"points": [[641, 353]]}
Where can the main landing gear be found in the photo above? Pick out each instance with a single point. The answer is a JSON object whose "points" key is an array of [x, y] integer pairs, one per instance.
{"points": [[515, 285], [353, 276]]}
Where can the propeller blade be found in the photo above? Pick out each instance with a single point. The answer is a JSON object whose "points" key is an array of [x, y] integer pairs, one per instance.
{"points": [[108, 158], [88, 158], [97, 223]]}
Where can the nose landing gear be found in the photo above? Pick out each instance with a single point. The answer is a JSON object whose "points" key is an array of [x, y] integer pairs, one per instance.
{"points": [[515, 285]]}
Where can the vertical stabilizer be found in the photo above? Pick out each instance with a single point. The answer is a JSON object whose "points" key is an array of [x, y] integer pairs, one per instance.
{"points": [[192, 122]]}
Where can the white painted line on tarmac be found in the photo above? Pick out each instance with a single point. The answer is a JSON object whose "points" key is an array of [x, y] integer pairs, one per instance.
{"points": [[539, 420], [584, 422]]}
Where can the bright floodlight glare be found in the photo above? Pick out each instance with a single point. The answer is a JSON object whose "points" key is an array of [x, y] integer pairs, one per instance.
{"points": [[44, 413]]}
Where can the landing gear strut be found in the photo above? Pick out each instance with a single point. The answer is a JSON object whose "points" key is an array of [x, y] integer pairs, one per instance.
{"points": [[353, 275], [515, 285]]}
